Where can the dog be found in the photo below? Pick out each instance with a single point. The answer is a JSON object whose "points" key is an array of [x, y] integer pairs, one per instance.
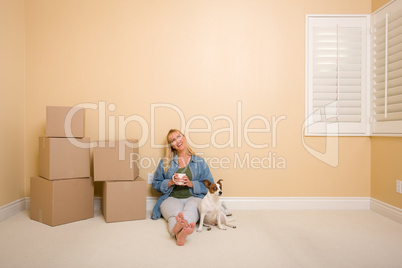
{"points": [[210, 208]]}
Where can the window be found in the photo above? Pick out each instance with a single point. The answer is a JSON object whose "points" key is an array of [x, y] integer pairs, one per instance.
{"points": [[336, 75], [386, 56], [354, 76]]}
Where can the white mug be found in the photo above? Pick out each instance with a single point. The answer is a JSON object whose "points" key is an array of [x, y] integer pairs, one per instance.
{"points": [[180, 175]]}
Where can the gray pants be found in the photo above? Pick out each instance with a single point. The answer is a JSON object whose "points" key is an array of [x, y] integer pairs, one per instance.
{"points": [[171, 207]]}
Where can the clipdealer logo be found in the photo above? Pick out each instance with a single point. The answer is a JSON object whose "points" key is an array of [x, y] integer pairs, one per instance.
{"points": [[238, 131], [329, 121], [241, 161]]}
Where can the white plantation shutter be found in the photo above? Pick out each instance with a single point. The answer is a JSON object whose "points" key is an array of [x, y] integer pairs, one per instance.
{"points": [[387, 70], [336, 76]]}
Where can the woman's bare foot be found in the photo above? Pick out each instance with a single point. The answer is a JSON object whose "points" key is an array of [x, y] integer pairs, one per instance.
{"points": [[180, 223], [182, 235]]}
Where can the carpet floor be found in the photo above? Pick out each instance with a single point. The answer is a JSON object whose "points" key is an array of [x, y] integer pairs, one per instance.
{"points": [[269, 238]]}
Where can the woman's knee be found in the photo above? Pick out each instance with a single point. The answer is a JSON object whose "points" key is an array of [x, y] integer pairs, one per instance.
{"points": [[190, 210], [171, 207]]}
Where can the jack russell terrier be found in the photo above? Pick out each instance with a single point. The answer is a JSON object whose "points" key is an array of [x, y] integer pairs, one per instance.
{"points": [[210, 208]]}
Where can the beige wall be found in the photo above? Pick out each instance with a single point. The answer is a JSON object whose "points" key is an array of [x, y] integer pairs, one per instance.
{"points": [[12, 100], [202, 57], [386, 168], [386, 155], [376, 4], [134, 55]]}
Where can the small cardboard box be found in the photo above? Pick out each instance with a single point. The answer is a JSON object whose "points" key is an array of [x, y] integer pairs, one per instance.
{"points": [[124, 200], [62, 201], [57, 116], [60, 159], [116, 161]]}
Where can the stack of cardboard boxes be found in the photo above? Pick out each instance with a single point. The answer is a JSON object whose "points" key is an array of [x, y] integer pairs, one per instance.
{"points": [[124, 192], [64, 191]]}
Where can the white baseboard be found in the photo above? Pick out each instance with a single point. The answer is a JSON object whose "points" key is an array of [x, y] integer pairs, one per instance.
{"points": [[97, 203], [386, 210], [295, 203], [254, 203], [13, 208]]}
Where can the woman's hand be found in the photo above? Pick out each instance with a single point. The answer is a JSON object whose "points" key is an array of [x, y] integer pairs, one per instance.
{"points": [[180, 180], [186, 181]]}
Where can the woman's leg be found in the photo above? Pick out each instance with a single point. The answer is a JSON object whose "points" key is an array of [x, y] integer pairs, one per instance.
{"points": [[190, 213], [171, 210], [190, 210]]}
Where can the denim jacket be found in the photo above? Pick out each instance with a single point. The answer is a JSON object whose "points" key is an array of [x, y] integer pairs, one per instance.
{"points": [[200, 171]]}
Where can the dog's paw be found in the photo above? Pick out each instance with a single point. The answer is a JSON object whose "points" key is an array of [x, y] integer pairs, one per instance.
{"points": [[209, 228], [234, 227], [199, 230]]}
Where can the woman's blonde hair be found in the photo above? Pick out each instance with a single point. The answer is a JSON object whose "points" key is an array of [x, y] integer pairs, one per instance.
{"points": [[170, 153]]}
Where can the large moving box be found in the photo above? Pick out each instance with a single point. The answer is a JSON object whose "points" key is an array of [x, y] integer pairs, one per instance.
{"points": [[61, 201], [60, 159], [116, 161], [124, 200], [56, 117]]}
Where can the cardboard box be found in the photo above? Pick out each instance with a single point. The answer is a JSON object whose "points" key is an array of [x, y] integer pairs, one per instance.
{"points": [[115, 161], [60, 159], [62, 201], [56, 117], [124, 200]]}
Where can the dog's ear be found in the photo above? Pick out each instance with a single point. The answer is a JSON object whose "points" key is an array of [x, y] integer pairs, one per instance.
{"points": [[207, 183], [220, 183]]}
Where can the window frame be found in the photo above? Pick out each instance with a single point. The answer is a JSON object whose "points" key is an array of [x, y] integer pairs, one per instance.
{"points": [[339, 128], [391, 129]]}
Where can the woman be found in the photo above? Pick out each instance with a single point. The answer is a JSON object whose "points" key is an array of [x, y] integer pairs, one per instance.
{"points": [[179, 178]]}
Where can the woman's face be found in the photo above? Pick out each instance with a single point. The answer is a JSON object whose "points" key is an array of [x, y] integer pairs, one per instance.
{"points": [[177, 141]]}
